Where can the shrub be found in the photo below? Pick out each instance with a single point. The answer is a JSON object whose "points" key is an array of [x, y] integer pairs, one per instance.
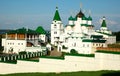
{"points": [[73, 51], [64, 47], [23, 52], [1, 49], [114, 45]]}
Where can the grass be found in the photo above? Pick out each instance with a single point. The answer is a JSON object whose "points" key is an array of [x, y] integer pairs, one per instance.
{"points": [[82, 73], [52, 57], [82, 55], [105, 51]]}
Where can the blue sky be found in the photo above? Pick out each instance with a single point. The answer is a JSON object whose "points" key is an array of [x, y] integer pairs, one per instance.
{"points": [[33, 13]]}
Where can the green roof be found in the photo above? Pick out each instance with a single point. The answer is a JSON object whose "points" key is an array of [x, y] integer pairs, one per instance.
{"points": [[105, 33], [95, 41], [57, 16], [104, 23], [84, 25], [22, 31], [70, 18], [29, 31], [96, 36], [87, 25], [40, 30], [84, 18], [89, 18]]}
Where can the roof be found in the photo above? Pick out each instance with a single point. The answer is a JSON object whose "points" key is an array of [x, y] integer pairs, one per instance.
{"points": [[96, 36], [87, 25], [70, 25], [80, 14], [70, 18], [105, 33], [84, 18], [22, 31], [94, 41], [103, 23], [57, 16], [40, 30], [89, 18], [3, 31]]}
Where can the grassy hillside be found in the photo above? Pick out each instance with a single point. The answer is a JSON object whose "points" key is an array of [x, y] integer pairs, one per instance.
{"points": [[92, 73]]}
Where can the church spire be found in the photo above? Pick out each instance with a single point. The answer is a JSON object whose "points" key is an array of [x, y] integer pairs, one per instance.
{"points": [[103, 22], [57, 16]]}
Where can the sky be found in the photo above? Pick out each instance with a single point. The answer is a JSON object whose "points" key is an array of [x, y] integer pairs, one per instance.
{"points": [[16, 14]]}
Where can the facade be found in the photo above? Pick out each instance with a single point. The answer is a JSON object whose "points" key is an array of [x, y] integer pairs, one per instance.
{"points": [[79, 34], [22, 40], [56, 29]]}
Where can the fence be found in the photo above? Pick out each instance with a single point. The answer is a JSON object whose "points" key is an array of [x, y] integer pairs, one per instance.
{"points": [[12, 58]]}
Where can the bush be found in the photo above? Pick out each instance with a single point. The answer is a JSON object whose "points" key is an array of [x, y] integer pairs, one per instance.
{"points": [[114, 45], [73, 51], [23, 52], [1, 49], [64, 47]]}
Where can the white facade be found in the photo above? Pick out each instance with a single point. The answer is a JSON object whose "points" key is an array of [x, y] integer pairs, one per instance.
{"points": [[17, 42], [56, 29], [43, 38], [79, 34]]}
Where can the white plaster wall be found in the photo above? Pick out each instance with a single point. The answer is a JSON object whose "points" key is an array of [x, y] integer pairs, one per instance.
{"points": [[101, 61], [17, 45]]}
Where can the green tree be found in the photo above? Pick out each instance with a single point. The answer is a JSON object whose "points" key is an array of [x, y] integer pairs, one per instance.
{"points": [[73, 51]]}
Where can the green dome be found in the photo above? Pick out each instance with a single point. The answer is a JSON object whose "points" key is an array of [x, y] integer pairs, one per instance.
{"points": [[84, 18], [40, 30], [70, 18], [90, 18]]}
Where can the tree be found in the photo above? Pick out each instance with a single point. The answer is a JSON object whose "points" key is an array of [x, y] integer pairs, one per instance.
{"points": [[1, 49], [73, 51]]}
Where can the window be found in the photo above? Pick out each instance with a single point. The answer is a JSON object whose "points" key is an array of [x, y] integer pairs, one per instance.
{"points": [[88, 45], [83, 45], [55, 26], [74, 44], [55, 32], [96, 44]]}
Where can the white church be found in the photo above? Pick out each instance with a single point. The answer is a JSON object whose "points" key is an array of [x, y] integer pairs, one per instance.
{"points": [[79, 34]]}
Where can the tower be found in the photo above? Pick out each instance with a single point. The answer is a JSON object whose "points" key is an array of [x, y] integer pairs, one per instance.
{"points": [[56, 28], [103, 25]]}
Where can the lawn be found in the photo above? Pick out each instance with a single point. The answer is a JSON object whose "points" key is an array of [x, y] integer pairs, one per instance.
{"points": [[91, 73]]}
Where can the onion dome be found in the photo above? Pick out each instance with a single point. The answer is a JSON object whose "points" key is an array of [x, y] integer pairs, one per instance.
{"points": [[70, 18], [90, 18], [84, 18], [80, 14]]}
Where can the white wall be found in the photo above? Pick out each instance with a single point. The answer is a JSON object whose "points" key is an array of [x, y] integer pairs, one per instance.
{"points": [[101, 61], [17, 45]]}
